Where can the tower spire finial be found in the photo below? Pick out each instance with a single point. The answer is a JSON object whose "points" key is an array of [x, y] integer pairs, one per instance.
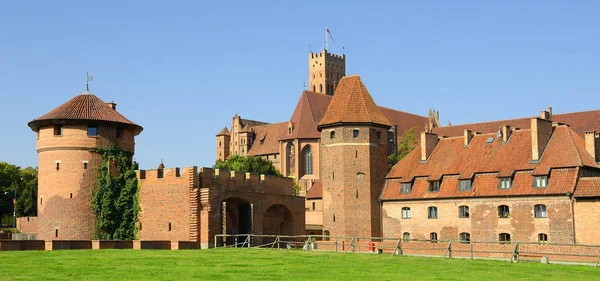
{"points": [[87, 82]]}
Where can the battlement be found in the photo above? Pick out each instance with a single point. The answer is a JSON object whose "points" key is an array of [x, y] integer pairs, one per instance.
{"points": [[167, 173], [324, 53], [245, 182]]}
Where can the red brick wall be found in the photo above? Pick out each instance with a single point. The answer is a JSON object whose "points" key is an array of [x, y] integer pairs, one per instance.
{"points": [[483, 223], [27, 224], [353, 173], [64, 195], [166, 201]]}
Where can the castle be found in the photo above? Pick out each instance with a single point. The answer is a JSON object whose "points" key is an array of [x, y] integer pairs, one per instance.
{"points": [[527, 179]]}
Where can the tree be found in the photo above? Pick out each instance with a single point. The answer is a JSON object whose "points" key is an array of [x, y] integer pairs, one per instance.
{"points": [[27, 193], [406, 143], [115, 201], [248, 164]]}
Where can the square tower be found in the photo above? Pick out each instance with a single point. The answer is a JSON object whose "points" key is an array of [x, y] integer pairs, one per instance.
{"points": [[325, 70]]}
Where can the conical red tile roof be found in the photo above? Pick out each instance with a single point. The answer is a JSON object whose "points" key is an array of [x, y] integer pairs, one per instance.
{"points": [[352, 103], [84, 107]]}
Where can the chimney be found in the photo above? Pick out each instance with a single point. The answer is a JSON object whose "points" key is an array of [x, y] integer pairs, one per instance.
{"points": [[545, 115], [506, 133], [592, 144], [541, 130], [428, 142], [550, 111], [112, 105], [468, 136]]}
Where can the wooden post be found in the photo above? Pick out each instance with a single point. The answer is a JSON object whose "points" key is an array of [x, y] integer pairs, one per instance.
{"points": [[224, 222], [470, 251], [515, 255]]}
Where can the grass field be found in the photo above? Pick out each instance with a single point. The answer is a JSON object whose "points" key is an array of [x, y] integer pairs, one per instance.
{"points": [[266, 264]]}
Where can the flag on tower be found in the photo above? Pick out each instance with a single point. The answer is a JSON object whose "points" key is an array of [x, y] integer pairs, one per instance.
{"points": [[331, 36]]}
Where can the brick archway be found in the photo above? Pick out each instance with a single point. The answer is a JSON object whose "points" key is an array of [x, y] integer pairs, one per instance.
{"points": [[238, 216], [278, 220]]}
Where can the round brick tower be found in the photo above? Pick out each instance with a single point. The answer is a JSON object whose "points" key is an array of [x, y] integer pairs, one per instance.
{"points": [[67, 167]]}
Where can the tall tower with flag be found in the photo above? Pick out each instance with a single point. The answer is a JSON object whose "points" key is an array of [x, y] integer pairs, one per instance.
{"points": [[325, 69]]}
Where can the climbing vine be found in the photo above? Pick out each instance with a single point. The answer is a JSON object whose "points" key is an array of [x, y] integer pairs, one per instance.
{"points": [[115, 200]]}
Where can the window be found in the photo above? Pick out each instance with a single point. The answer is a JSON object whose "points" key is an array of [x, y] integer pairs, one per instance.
{"points": [[57, 165], [92, 131], [463, 211], [56, 233], [58, 130], [434, 186], [321, 86], [432, 213], [308, 161], [85, 165], [542, 237], [313, 205], [433, 237], [540, 211], [289, 131], [406, 236], [332, 135], [355, 134], [406, 213], [120, 134], [464, 237], [378, 135], [504, 237], [219, 143], [505, 183], [503, 211], [540, 181], [464, 185], [169, 226], [406, 187]]}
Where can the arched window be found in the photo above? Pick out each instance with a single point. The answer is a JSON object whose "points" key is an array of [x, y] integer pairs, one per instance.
{"points": [[504, 237], [355, 134], [464, 237], [542, 237], [308, 161], [503, 211], [320, 88], [433, 237], [463, 211], [219, 143], [540, 211], [405, 212], [432, 212], [406, 236], [290, 159], [332, 135], [314, 88]]}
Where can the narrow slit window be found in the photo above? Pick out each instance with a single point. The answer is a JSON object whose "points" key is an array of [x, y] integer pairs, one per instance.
{"points": [[355, 134], [169, 226]]}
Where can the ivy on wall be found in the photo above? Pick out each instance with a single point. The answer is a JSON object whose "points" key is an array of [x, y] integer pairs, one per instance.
{"points": [[115, 200]]}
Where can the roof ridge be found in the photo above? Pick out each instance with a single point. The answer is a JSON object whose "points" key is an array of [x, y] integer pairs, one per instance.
{"points": [[389, 108], [574, 146]]}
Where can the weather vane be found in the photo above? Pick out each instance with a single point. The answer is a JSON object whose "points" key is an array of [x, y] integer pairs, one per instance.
{"points": [[87, 82]]}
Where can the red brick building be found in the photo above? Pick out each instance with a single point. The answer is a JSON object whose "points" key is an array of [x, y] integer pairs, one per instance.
{"points": [[537, 183]]}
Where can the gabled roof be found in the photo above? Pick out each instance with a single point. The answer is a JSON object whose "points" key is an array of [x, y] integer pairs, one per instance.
{"points": [[578, 121], [267, 138], [450, 157], [83, 108], [316, 190], [224, 132], [352, 103], [310, 110]]}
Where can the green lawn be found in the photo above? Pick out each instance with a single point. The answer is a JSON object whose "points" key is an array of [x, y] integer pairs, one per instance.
{"points": [[267, 264]]}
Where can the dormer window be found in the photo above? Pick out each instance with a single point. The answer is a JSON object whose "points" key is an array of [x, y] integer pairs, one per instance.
{"points": [[540, 181], [406, 187], [434, 186], [464, 185], [505, 183]]}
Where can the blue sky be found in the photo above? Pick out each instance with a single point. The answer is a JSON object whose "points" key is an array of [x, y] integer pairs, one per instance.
{"points": [[182, 69]]}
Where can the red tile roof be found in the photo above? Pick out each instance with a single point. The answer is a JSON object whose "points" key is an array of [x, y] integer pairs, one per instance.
{"points": [[352, 103], [564, 149], [578, 121], [84, 107], [310, 110], [267, 138], [588, 187], [316, 191]]}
